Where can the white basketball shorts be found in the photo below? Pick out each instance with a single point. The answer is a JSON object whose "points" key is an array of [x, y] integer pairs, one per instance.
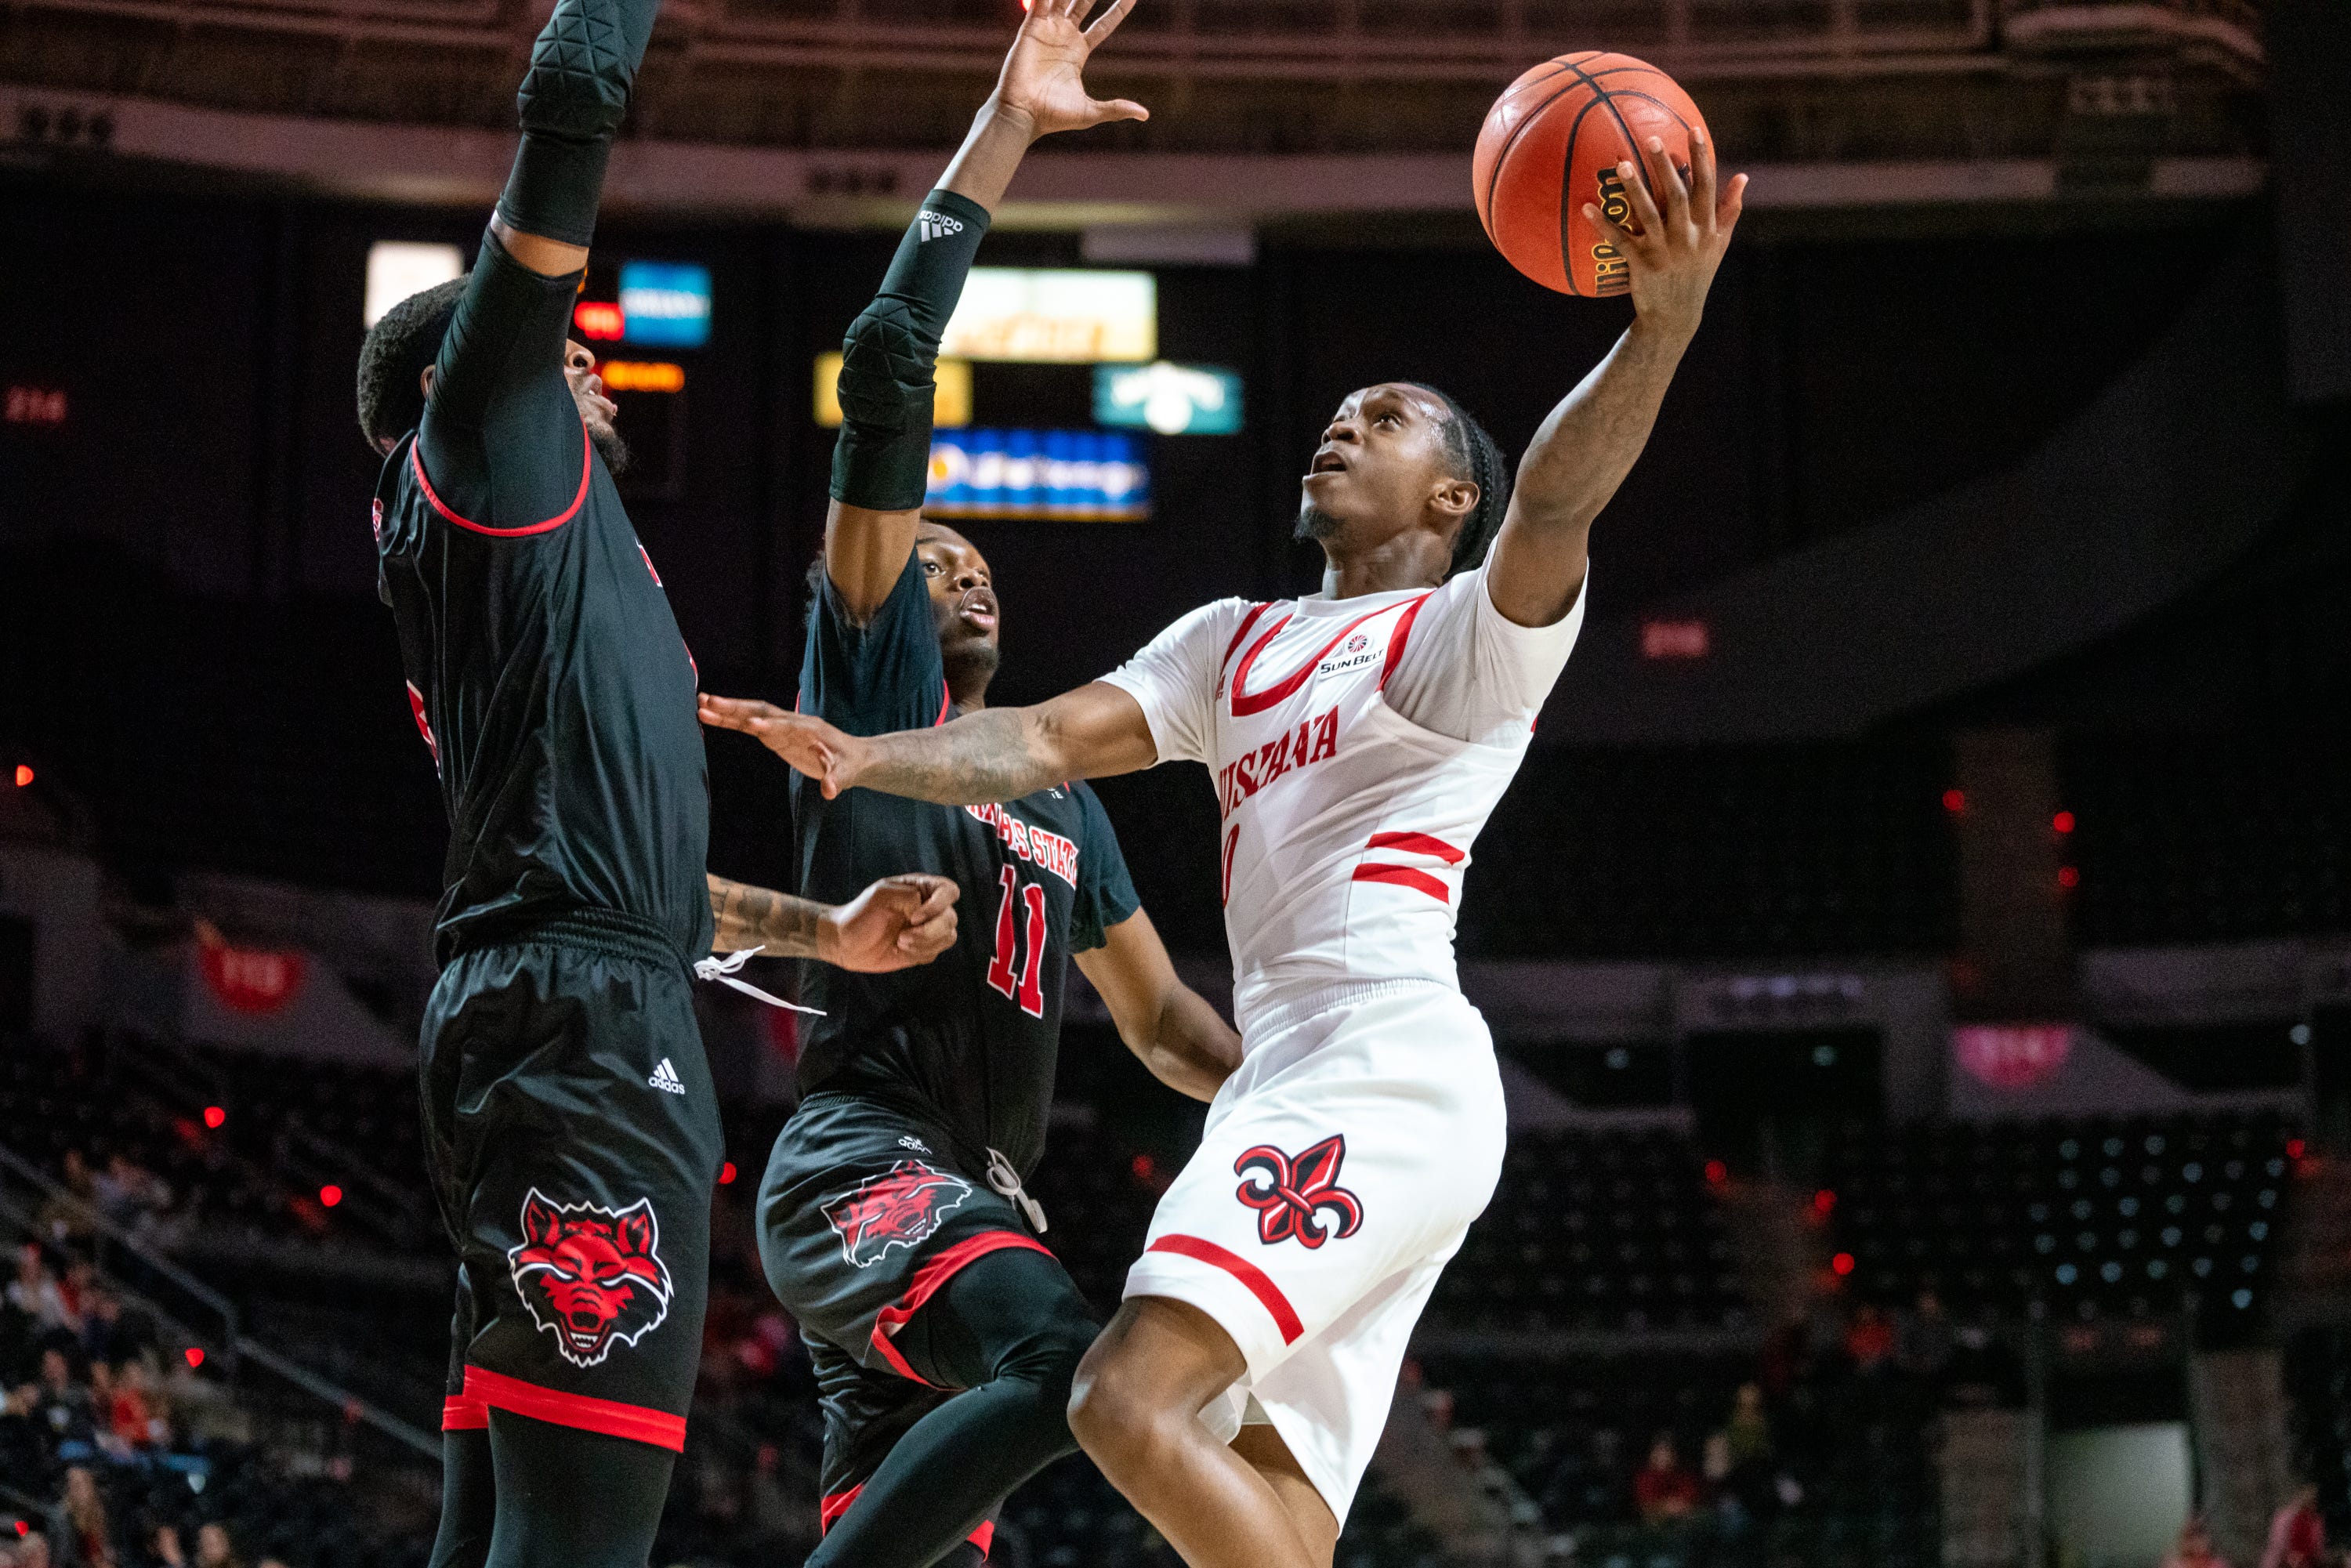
{"points": [[1341, 1166]]}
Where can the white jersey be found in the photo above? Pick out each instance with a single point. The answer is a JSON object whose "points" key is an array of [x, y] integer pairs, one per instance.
{"points": [[1357, 748]]}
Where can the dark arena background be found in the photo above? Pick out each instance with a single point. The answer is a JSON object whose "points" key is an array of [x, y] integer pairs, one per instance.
{"points": [[1918, 941]]}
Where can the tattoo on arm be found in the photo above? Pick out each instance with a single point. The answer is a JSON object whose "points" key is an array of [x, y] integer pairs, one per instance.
{"points": [[996, 754], [777, 924]]}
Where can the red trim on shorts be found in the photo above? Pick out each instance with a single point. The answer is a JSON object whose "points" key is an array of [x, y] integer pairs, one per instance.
{"points": [[1285, 1316], [460, 1414], [1397, 638], [1405, 876], [831, 1508], [1418, 844], [416, 461], [928, 1279], [496, 1391]]}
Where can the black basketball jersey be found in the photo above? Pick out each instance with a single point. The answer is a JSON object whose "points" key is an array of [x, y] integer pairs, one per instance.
{"points": [[545, 670], [970, 1038]]}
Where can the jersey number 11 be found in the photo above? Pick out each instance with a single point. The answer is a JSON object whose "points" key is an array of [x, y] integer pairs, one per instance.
{"points": [[1029, 898]]}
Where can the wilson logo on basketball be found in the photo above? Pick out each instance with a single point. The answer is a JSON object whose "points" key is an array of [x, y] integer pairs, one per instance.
{"points": [[1614, 273]]}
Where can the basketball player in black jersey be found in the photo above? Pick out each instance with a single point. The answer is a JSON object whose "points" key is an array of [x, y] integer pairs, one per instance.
{"points": [[572, 1128], [894, 1221]]}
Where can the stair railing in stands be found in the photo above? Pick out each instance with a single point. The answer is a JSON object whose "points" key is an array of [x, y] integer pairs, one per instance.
{"points": [[237, 1347]]}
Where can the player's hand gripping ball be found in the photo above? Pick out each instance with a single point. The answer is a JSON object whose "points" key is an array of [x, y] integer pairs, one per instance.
{"points": [[1552, 142]]}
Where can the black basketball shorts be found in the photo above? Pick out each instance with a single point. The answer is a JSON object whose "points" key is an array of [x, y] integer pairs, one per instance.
{"points": [[573, 1137]]}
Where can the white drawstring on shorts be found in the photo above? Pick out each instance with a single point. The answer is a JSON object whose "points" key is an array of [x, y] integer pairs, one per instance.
{"points": [[723, 971], [1007, 1181]]}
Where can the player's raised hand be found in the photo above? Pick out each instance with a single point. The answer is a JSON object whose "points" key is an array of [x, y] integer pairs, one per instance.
{"points": [[896, 924], [1674, 253], [810, 744], [1044, 79]]}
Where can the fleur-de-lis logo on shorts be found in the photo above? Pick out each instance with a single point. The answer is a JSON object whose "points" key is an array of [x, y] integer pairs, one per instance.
{"points": [[1292, 1195]]}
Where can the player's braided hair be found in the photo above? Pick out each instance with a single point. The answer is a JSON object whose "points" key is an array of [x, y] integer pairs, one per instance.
{"points": [[394, 356], [1478, 457]]}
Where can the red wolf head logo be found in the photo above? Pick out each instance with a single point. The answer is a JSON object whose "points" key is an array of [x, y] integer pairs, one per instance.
{"points": [[901, 1207], [590, 1276]]}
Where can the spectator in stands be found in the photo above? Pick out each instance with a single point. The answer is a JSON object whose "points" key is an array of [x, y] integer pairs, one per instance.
{"points": [[129, 1194], [1665, 1492], [23, 1438], [34, 1292], [32, 1550], [135, 1413], [79, 1523], [2195, 1548], [78, 1287], [109, 1332], [62, 1406], [2297, 1533], [213, 1548], [1747, 1432], [66, 1217], [202, 1409]]}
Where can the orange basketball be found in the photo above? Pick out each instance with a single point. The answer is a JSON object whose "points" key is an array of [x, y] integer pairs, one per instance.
{"points": [[1551, 142]]}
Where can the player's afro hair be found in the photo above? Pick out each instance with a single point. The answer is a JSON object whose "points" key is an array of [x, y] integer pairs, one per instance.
{"points": [[392, 360], [1476, 457]]}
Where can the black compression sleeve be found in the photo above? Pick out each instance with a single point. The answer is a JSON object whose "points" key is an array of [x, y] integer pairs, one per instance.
{"points": [[891, 355], [571, 101]]}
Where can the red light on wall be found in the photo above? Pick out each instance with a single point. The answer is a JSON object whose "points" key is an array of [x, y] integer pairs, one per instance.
{"points": [[599, 319], [196, 1355], [330, 1194], [2063, 822], [1955, 802], [1841, 1263], [1674, 640], [641, 375], [34, 405], [24, 775], [726, 1173], [2293, 1148], [213, 1117], [2069, 877], [1716, 1172], [1823, 1201]]}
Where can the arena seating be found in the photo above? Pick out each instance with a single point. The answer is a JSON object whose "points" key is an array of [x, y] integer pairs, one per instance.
{"points": [[2090, 1219], [2210, 840], [1846, 1476], [1595, 1230]]}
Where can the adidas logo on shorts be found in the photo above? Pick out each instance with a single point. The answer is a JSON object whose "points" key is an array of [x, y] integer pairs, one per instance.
{"points": [[666, 1079], [939, 226]]}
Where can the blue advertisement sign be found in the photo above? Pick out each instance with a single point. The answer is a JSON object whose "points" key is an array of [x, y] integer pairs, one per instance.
{"points": [[1173, 400], [665, 303], [1065, 475]]}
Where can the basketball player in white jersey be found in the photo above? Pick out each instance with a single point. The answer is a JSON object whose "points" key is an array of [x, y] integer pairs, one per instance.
{"points": [[1358, 739]]}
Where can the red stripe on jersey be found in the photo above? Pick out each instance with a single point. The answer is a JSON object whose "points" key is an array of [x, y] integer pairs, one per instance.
{"points": [[1405, 876], [459, 1414], [1248, 621], [1418, 844], [1397, 643], [1269, 1294], [416, 461], [1244, 705]]}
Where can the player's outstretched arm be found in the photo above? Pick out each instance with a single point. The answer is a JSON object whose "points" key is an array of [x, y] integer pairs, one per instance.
{"points": [[996, 754], [896, 924], [889, 361], [1592, 439], [1170, 1027], [499, 376]]}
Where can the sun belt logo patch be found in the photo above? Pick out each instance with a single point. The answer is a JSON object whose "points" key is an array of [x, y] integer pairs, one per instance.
{"points": [[1293, 1195], [904, 1207], [592, 1277]]}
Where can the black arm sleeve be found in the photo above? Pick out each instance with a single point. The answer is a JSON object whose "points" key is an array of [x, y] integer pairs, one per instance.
{"points": [[502, 441], [572, 99], [881, 460]]}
